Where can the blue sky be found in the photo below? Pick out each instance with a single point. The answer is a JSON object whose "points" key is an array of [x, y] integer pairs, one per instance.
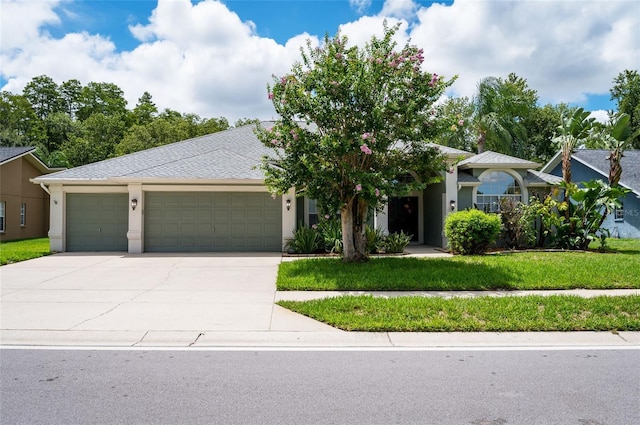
{"points": [[214, 58]]}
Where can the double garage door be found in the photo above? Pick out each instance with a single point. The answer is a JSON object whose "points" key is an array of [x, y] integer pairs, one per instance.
{"points": [[216, 221], [177, 222]]}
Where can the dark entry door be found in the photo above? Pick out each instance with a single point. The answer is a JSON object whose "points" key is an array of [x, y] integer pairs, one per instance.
{"points": [[403, 215]]}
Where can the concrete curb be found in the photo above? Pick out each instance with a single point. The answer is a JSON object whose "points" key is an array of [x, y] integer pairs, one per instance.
{"points": [[340, 339], [586, 293]]}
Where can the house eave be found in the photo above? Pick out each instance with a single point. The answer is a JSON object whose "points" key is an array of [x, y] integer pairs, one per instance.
{"points": [[124, 181], [497, 165]]}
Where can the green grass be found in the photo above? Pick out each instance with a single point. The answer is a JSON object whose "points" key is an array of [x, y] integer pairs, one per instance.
{"points": [[513, 271], [484, 314], [14, 251]]}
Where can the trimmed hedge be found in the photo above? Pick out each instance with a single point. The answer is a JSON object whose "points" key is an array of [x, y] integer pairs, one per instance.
{"points": [[471, 231]]}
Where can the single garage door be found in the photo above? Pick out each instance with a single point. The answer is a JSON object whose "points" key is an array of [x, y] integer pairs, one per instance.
{"points": [[97, 222], [212, 221]]}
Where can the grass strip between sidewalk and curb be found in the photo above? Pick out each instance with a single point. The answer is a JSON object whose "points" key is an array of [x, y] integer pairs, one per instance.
{"points": [[484, 314], [512, 271], [26, 249]]}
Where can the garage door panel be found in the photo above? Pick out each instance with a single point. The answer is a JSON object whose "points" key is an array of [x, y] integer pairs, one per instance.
{"points": [[216, 221], [97, 222]]}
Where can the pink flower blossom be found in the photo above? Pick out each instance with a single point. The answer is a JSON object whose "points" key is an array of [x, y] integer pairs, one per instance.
{"points": [[378, 192], [365, 136], [364, 148], [327, 216], [270, 95], [434, 80], [358, 187], [314, 226], [461, 123]]}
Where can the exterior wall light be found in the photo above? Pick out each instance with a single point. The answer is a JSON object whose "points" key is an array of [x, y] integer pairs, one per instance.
{"points": [[134, 204], [288, 203], [452, 204]]}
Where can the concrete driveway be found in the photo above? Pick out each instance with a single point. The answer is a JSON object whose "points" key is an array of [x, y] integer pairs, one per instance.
{"points": [[142, 298]]}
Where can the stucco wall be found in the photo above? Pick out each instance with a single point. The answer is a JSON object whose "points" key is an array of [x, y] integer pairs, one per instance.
{"points": [[16, 189]]}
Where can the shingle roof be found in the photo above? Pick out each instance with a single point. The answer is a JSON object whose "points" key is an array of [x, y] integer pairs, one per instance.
{"points": [[538, 178], [495, 159], [229, 154], [597, 159], [467, 179], [451, 152], [8, 153]]}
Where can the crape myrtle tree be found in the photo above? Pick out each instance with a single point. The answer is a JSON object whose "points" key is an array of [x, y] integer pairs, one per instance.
{"points": [[353, 128]]}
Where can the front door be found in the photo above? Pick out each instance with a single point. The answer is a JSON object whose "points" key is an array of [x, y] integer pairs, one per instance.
{"points": [[403, 216]]}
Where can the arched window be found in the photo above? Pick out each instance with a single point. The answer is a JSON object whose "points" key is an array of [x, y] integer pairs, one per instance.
{"points": [[495, 186]]}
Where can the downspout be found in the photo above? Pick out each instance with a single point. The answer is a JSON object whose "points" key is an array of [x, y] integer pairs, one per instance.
{"points": [[45, 188]]}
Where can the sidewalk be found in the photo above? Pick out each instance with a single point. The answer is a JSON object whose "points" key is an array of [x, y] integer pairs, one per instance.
{"points": [[212, 300]]}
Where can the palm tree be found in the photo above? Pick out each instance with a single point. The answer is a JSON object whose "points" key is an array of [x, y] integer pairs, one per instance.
{"points": [[619, 140], [573, 130], [500, 108], [487, 119]]}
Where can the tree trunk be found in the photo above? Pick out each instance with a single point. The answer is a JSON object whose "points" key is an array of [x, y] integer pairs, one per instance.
{"points": [[354, 243], [615, 167], [481, 141]]}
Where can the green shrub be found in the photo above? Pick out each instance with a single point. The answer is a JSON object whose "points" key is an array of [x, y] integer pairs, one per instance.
{"points": [[517, 224], [396, 242], [304, 241], [375, 239], [330, 231], [472, 231]]}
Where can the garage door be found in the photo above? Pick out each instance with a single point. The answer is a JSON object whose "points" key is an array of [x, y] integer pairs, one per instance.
{"points": [[97, 222], [212, 221]]}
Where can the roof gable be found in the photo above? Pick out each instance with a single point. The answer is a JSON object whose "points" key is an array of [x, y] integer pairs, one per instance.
{"points": [[490, 159], [8, 154], [229, 154], [596, 159]]}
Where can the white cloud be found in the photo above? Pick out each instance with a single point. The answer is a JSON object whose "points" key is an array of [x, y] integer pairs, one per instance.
{"points": [[600, 116], [21, 20], [360, 5], [192, 58], [204, 59], [401, 9], [565, 50]]}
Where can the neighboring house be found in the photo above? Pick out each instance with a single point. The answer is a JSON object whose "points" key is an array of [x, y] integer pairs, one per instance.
{"points": [[24, 208], [206, 194], [592, 164]]}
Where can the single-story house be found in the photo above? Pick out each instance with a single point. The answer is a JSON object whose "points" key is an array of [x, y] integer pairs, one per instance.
{"points": [[590, 164], [206, 194], [24, 208]]}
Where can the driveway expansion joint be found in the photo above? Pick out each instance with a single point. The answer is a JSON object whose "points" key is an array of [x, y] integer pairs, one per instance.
{"points": [[196, 340], [141, 339]]}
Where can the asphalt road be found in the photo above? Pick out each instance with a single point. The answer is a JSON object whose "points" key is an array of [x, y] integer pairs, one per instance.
{"points": [[476, 387]]}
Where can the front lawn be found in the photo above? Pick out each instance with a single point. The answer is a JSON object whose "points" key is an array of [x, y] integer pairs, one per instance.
{"points": [[484, 314], [14, 251], [513, 271]]}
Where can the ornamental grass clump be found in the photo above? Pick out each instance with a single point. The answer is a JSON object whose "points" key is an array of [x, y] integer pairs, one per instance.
{"points": [[472, 231]]}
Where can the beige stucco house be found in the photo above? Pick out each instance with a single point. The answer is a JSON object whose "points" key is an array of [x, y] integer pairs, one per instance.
{"points": [[206, 194]]}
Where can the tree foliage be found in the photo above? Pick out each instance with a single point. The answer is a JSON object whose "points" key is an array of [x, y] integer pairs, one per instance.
{"points": [[626, 91], [501, 106], [71, 124], [352, 129]]}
